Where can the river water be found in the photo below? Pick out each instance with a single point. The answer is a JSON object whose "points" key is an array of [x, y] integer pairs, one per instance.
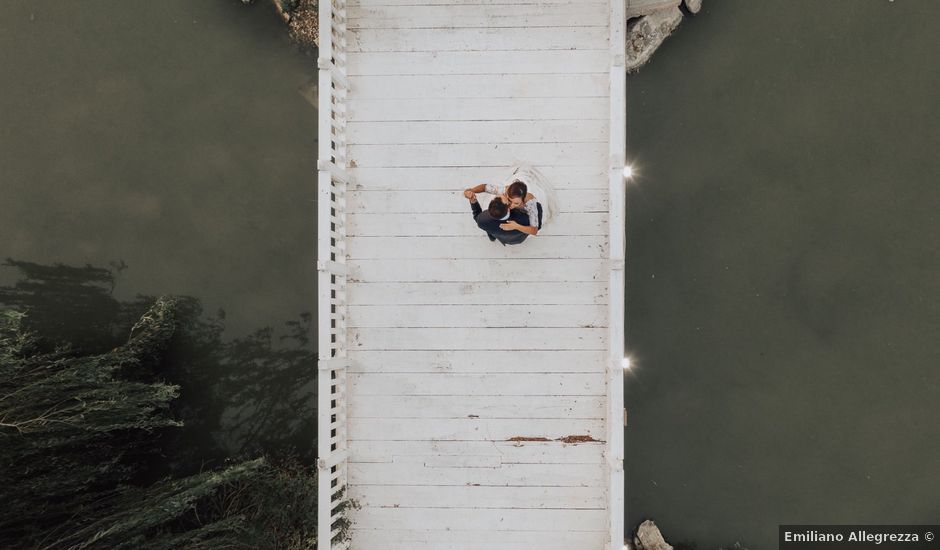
{"points": [[782, 284], [172, 144], [783, 298]]}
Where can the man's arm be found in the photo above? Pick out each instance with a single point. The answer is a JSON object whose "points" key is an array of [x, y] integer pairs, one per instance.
{"points": [[514, 226], [475, 207]]}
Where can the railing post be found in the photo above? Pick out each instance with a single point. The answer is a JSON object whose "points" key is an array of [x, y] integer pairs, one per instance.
{"points": [[617, 233], [332, 180]]}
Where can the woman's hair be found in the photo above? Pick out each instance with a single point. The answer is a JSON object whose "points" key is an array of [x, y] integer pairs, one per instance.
{"points": [[517, 189], [497, 208]]}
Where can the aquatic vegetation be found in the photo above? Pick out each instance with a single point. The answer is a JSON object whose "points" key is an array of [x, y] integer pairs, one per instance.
{"points": [[80, 433]]}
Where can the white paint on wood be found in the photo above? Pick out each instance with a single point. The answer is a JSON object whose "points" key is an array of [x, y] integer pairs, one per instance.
{"points": [[458, 178], [478, 497], [478, 109], [587, 14], [473, 270], [508, 475], [441, 361], [487, 292], [512, 339], [455, 224], [479, 380], [367, 3], [485, 539], [499, 406], [471, 429], [456, 154], [418, 202], [478, 62], [617, 251], [496, 519], [488, 132], [469, 39], [441, 248], [508, 452], [366, 384], [533, 316], [487, 85]]}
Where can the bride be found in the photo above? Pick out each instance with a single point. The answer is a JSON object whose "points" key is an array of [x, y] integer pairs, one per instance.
{"points": [[525, 188]]}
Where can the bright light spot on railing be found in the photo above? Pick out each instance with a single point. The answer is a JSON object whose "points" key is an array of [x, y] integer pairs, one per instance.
{"points": [[627, 171], [627, 363]]}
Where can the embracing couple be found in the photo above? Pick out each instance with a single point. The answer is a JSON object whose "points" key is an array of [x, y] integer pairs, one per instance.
{"points": [[524, 204]]}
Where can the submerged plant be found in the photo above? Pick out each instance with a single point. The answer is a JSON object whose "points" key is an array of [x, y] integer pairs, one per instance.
{"points": [[78, 433]]}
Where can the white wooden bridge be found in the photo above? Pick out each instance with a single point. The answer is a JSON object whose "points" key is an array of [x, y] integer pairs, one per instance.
{"points": [[470, 394]]}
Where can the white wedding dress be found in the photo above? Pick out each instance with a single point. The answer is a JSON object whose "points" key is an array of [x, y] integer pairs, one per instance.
{"points": [[539, 186]]}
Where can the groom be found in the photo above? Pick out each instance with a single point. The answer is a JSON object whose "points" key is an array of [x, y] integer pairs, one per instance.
{"points": [[499, 221]]}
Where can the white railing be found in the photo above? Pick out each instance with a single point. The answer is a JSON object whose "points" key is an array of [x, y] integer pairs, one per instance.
{"points": [[617, 228], [332, 183]]}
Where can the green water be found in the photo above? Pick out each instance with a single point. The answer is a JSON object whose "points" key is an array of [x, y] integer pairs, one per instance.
{"points": [[171, 143], [783, 297], [168, 135], [782, 282]]}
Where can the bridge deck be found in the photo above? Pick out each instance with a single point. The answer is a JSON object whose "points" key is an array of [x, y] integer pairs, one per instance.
{"points": [[477, 387]]}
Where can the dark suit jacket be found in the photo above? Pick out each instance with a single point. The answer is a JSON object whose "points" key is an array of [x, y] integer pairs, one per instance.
{"points": [[491, 226]]}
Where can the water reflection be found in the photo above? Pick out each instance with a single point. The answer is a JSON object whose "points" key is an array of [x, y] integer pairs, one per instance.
{"points": [[782, 282], [239, 396]]}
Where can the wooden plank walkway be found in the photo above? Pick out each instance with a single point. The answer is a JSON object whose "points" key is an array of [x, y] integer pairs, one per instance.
{"points": [[479, 401]]}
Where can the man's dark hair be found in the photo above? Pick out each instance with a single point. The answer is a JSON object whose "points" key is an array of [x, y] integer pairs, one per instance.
{"points": [[497, 208], [517, 189]]}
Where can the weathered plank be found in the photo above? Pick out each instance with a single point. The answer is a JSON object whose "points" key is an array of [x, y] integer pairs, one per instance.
{"points": [[512, 338], [451, 406], [531, 86], [477, 62], [479, 109], [507, 452], [497, 519], [507, 475], [418, 202], [468, 539], [480, 361], [485, 38], [532, 315], [477, 497], [471, 429], [458, 178], [485, 292], [486, 16], [456, 224], [464, 2], [493, 384], [442, 248], [489, 268], [394, 132]]}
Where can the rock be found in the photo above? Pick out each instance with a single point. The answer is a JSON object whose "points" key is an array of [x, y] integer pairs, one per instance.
{"points": [[639, 8], [693, 5], [648, 537], [647, 33]]}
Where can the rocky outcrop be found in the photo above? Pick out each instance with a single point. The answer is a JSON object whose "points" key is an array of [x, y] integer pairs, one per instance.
{"points": [[302, 18], [649, 23], [648, 537], [646, 34], [639, 8], [304, 22]]}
